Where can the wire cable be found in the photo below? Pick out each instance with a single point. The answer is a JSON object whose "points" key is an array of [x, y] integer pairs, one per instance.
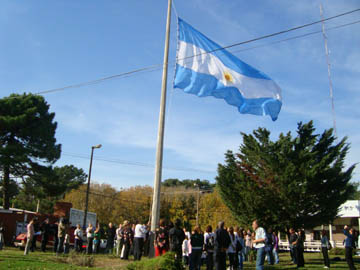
{"points": [[135, 163], [155, 67]]}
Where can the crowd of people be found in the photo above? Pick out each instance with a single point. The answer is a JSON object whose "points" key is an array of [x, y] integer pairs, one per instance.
{"points": [[194, 249]]}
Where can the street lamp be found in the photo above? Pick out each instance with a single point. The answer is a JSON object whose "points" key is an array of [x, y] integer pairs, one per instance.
{"points": [[88, 184]]}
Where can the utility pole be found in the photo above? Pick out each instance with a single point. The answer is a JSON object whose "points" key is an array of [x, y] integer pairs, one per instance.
{"points": [[155, 212], [88, 184], [197, 206], [38, 206]]}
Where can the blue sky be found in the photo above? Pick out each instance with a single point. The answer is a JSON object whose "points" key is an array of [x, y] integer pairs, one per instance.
{"points": [[50, 44]]}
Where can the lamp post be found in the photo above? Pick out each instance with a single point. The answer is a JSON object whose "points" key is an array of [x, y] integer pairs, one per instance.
{"points": [[88, 184]]}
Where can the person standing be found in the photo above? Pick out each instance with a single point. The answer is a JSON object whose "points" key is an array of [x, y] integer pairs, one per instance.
{"points": [[276, 247], [185, 250], [349, 243], [36, 232], [248, 244], [269, 245], [97, 237], [66, 243], [259, 244], [90, 238], [54, 232], [197, 243], [209, 240], [2, 230], [45, 231], [110, 233], [292, 243], [161, 242], [325, 245], [61, 236], [139, 238], [300, 248], [127, 235], [240, 248], [176, 238], [231, 251], [222, 242], [78, 234], [118, 240], [29, 236]]}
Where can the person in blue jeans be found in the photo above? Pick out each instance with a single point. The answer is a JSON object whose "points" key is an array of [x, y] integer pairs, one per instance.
{"points": [[240, 247], [197, 243], [259, 244], [276, 247]]}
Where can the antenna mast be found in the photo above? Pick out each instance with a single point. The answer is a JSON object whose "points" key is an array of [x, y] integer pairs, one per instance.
{"points": [[329, 69]]}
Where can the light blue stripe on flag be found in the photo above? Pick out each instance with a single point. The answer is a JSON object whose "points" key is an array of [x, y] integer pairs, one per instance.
{"points": [[204, 70]]}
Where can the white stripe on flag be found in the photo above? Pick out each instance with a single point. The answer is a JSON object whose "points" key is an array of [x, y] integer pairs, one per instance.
{"points": [[208, 63]]}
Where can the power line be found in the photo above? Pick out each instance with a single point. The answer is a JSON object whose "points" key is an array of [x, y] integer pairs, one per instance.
{"points": [[155, 67], [296, 37], [285, 31], [135, 163]]}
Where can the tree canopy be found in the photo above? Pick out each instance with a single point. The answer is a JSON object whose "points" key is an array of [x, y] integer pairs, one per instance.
{"points": [[293, 182], [27, 138], [187, 183]]}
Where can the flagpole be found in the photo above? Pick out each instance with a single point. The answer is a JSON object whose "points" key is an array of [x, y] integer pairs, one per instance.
{"points": [[155, 213]]}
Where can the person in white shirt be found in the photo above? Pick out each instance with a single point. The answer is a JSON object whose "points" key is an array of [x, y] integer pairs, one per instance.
{"points": [[78, 233], [90, 238], [185, 250], [259, 244], [139, 238], [118, 240], [209, 243], [29, 236], [66, 243]]}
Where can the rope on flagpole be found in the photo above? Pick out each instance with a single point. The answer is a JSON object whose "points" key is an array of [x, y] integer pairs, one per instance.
{"points": [[174, 8], [167, 117]]}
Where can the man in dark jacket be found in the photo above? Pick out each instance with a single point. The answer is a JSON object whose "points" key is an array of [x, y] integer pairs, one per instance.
{"points": [[45, 231], [349, 242], [176, 237], [222, 242], [110, 233]]}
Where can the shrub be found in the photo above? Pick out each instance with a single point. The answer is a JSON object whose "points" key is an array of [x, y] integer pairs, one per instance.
{"points": [[164, 262], [77, 259], [337, 251]]}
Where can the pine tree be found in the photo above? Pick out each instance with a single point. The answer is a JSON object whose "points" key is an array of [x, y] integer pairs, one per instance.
{"points": [[292, 182], [27, 138]]}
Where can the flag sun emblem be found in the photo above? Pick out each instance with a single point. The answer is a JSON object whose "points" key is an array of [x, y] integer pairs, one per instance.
{"points": [[228, 77]]}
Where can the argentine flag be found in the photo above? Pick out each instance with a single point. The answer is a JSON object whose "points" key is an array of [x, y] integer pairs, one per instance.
{"points": [[204, 69]]}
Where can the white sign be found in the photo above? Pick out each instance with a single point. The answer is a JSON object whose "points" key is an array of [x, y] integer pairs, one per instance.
{"points": [[350, 209], [77, 217]]}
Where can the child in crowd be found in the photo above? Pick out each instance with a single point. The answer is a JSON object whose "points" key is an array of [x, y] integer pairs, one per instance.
{"points": [[185, 250], [67, 243]]}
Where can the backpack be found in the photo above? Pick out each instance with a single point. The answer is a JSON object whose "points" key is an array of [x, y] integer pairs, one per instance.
{"points": [[210, 242]]}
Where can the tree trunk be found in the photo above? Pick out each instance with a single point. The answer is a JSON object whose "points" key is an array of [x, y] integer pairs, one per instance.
{"points": [[5, 187]]}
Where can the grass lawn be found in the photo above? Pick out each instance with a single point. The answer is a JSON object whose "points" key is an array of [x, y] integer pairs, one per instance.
{"points": [[12, 258]]}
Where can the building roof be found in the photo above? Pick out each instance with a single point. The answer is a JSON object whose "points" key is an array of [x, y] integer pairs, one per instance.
{"points": [[350, 208], [11, 210]]}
